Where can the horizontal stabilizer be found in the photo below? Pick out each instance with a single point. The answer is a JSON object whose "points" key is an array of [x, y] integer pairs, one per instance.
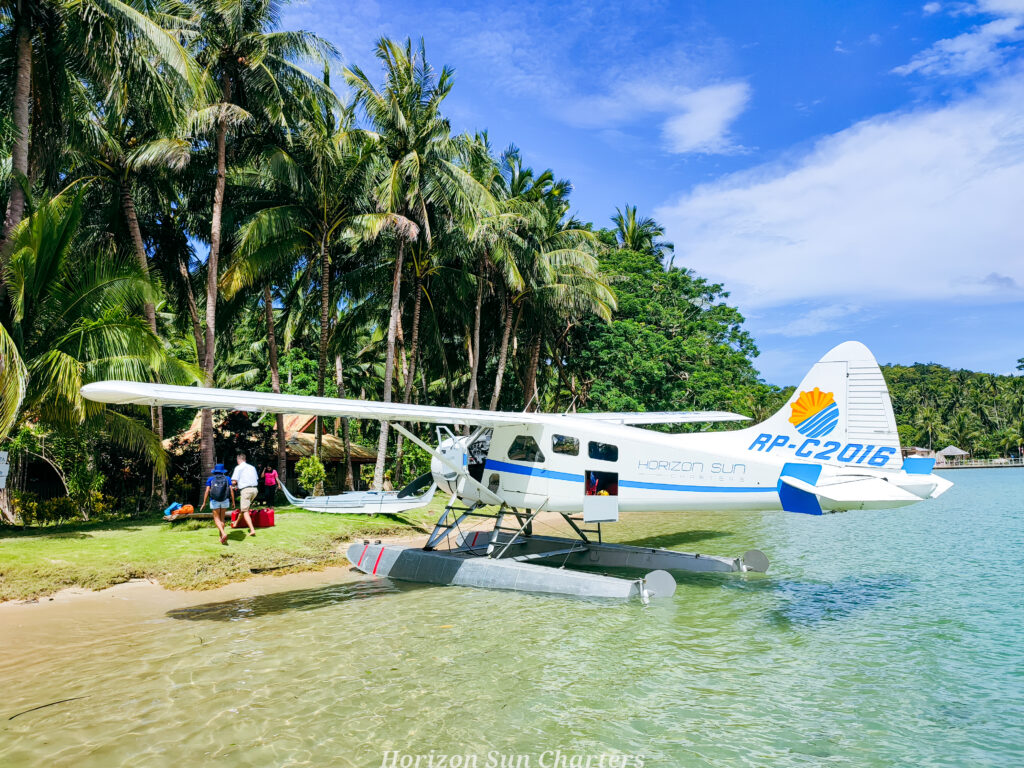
{"points": [[860, 493]]}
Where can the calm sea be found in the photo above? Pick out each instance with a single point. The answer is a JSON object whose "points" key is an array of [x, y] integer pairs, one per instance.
{"points": [[889, 638]]}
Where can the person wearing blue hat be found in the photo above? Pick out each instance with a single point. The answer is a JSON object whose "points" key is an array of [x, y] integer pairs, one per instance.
{"points": [[220, 494]]}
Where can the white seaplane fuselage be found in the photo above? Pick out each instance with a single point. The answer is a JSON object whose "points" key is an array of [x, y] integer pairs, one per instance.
{"points": [[648, 471]]}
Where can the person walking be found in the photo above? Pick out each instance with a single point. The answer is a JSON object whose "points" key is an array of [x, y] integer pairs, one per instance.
{"points": [[220, 493], [245, 479], [270, 481]]}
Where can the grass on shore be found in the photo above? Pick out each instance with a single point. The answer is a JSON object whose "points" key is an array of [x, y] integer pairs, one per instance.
{"points": [[187, 555]]}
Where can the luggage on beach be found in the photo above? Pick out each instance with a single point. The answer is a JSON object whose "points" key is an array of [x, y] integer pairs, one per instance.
{"points": [[261, 518]]}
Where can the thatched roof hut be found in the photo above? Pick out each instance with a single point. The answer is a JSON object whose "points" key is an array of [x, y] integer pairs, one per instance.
{"points": [[300, 439]]}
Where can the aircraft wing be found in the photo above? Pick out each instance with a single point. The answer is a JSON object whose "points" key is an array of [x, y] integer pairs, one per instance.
{"points": [[172, 396], [662, 417], [168, 395]]}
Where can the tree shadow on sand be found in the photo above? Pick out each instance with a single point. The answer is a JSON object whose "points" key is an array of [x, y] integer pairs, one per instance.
{"points": [[291, 600]]}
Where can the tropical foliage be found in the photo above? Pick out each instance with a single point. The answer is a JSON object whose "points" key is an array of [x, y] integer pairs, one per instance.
{"points": [[935, 406], [187, 199]]}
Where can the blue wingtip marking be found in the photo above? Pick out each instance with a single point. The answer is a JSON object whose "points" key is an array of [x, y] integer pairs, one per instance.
{"points": [[793, 499]]}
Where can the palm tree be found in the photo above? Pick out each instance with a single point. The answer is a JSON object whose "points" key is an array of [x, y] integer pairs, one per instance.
{"points": [[55, 46], [640, 235], [320, 192], [126, 135], [561, 282], [253, 67], [929, 424], [74, 318], [418, 173]]}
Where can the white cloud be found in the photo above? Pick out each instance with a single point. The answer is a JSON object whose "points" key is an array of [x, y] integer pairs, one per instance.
{"points": [[818, 320], [703, 125], [914, 205], [981, 48], [693, 119], [930, 8]]}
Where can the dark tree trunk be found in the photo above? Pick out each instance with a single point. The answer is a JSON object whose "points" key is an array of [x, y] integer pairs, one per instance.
{"points": [[22, 125], [410, 365], [350, 483], [212, 274], [389, 364], [530, 393], [131, 217], [472, 397], [325, 308], [193, 311], [503, 353], [275, 382]]}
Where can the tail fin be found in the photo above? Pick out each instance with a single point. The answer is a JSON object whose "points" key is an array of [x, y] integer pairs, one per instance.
{"points": [[842, 400]]}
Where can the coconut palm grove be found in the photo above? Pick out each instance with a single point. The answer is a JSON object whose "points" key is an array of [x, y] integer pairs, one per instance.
{"points": [[194, 195]]}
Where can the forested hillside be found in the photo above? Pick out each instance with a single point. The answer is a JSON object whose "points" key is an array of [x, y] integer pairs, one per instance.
{"points": [[936, 406]]}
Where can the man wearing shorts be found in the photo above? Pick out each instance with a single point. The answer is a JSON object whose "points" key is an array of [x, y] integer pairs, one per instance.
{"points": [[220, 494], [247, 481]]}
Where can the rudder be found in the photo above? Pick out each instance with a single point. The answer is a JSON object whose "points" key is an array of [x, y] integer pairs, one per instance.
{"points": [[844, 398]]}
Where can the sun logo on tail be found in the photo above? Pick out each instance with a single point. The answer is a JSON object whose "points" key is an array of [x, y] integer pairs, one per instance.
{"points": [[815, 413]]}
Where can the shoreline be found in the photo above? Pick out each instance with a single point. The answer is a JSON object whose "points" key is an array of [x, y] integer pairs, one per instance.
{"points": [[185, 558]]}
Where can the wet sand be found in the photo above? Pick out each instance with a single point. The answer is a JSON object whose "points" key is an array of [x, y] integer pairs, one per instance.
{"points": [[77, 611]]}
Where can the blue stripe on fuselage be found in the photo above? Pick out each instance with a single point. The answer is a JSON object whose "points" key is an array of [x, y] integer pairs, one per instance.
{"points": [[516, 469]]}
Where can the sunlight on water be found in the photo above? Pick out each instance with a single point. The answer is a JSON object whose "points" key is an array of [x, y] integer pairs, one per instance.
{"points": [[877, 639]]}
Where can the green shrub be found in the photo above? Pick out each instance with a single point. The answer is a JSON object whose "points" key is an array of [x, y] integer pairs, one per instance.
{"points": [[311, 474], [35, 511]]}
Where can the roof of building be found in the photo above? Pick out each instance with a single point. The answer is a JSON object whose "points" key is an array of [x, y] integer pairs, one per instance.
{"points": [[300, 440], [952, 450]]}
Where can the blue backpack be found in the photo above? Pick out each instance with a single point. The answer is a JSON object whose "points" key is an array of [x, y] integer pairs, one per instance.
{"points": [[219, 488]]}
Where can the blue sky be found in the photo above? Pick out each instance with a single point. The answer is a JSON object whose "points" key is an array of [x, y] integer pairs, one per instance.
{"points": [[846, 169]]}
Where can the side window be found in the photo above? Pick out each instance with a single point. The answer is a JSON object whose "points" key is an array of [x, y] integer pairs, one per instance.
{"points": [[525, 448], [603, 451], [565, 444]]}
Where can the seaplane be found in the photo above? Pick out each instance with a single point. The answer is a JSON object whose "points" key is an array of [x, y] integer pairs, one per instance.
{"points": [[832, 447]]}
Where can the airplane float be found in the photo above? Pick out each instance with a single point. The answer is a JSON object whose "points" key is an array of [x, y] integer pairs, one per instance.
{"points": [[833, 447]]}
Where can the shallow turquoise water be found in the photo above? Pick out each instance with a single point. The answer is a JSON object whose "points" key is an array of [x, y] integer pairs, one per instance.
{"points": [[885, 638]]}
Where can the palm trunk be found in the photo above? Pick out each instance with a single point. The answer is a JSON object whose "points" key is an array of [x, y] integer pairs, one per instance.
{"points": [[325, 307], [530, 392], [410, 378], [212, 274], [414, 341], [389, 364], [350, 483], [503, 354], [193, 312], [275, 382], [472, 397], [22, 126], [131, 217]]}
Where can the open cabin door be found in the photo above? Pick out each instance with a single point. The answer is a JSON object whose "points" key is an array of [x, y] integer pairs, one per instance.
{"points": [[601, 496]]}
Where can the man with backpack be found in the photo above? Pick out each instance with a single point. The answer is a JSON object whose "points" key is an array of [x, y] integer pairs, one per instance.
{"points": [[221, 495]]}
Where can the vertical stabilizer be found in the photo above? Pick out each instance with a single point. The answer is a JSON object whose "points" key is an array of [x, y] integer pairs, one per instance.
{"points": [[843, 401]]}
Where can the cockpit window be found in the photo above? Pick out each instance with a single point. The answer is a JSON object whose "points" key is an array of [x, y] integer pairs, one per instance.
{"points": [[603, 451], [565, 444], [525, 448]]}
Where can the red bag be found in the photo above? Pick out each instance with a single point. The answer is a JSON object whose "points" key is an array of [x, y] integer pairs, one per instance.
{"points": [[261, 518]]}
